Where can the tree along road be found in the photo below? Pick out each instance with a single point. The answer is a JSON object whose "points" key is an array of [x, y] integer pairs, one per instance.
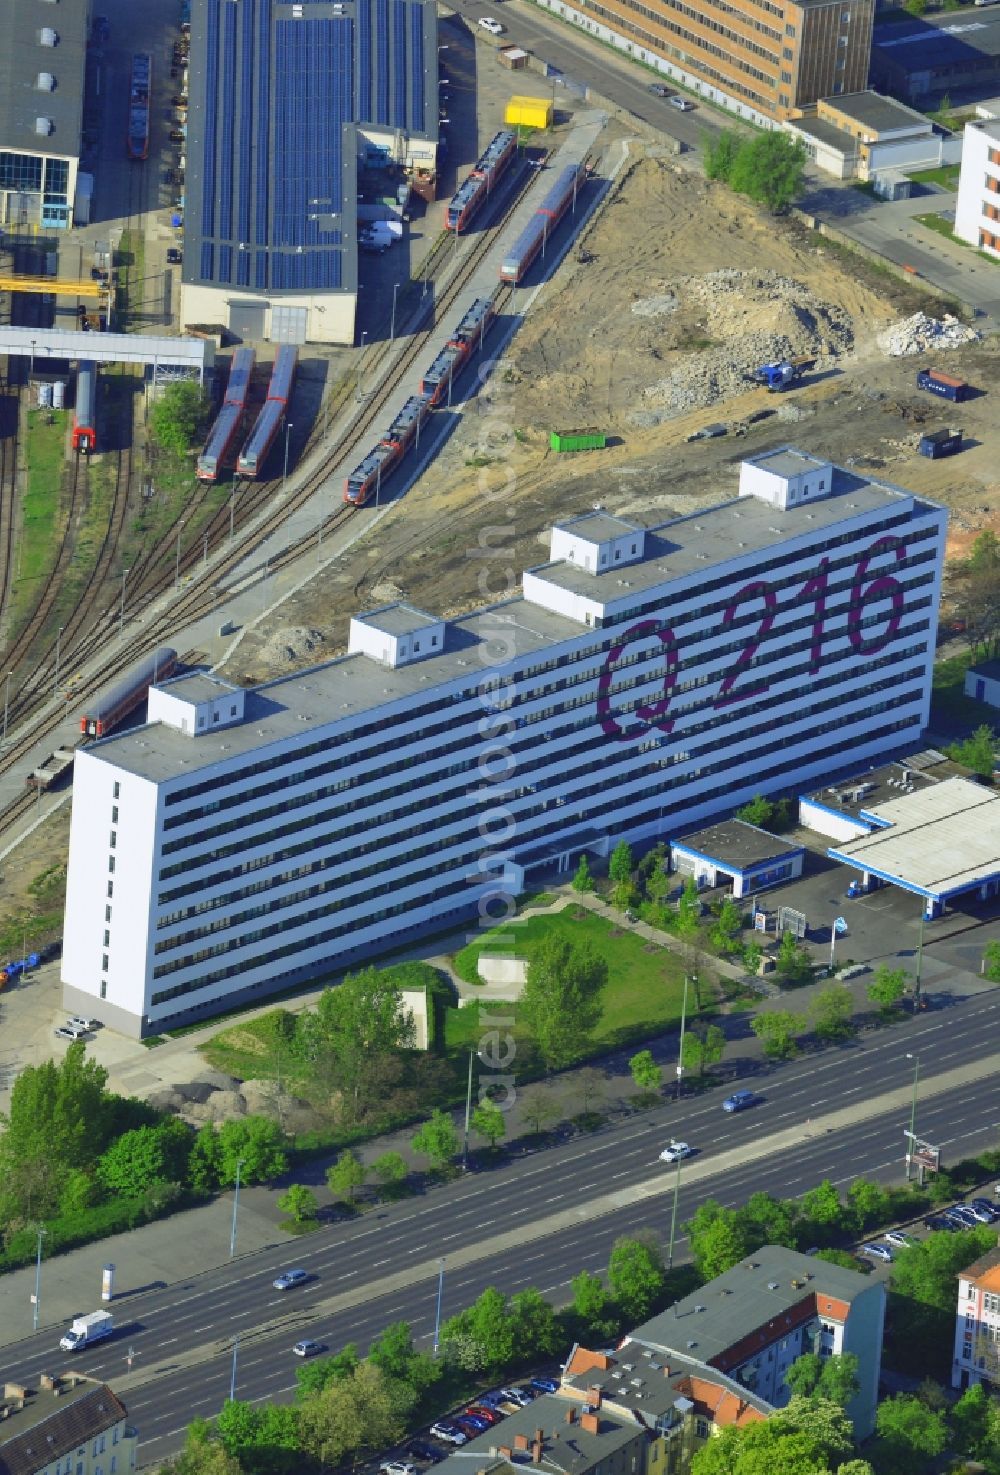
{"points": [[537, 1220]]}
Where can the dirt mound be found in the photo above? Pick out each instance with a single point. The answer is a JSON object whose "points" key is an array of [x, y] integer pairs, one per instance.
{"points": [[744, 319], [293, 643]]}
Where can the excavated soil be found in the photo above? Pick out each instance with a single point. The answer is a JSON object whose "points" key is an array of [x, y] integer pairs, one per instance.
{"points": [[675, 293]]}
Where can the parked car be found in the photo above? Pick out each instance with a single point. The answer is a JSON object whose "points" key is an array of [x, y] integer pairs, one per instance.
{"points": [[87, 1025], [987, 1206], [674, 1152], [489, 24], [449, 1431], [520, 1397], [67, 1032], [472, 1424], [308, 1348], [739, 1100], [937, 1223], [681, 104], [422, 1449], [492, 1400], [174, 256], [658, 89], [897, 1239], [482, 1411], [398, 1467], [290, 1278], [548, 1385], [964, 1216], [878, 1252]]}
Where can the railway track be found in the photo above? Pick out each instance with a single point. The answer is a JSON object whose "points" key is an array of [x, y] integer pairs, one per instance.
{"points": [[9, 441], [195, 603]]}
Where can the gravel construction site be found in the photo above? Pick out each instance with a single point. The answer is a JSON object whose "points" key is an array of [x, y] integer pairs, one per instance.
{"points": [[650, 331]]}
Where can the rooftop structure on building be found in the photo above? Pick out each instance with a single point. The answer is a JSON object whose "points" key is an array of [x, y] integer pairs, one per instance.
{"points": [[977, 1323], [865, 135], [53, 1419], [926, 57], [753, 1321], [647, 680], [938, 841], [286, 102], [745, 855], [42, 80], [977, 209], [760, 60]]}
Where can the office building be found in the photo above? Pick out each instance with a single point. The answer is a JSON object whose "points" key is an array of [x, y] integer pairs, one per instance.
{"points": [[42, 76], [285, 100], [753, 1321], [761, 59], [977, 209], [645, 680], [64, 1426], [977, 1324]]}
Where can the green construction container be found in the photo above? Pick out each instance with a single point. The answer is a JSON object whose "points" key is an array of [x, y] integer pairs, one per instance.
{"points": [[577, 440]]}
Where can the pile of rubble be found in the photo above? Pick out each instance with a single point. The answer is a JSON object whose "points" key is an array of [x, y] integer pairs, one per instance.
{"points": [[750, 318], [292, 643], [918, 333]]}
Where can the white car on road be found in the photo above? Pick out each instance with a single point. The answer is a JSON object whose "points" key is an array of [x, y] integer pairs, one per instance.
{"points": [[489, 24], [674, 1151]]}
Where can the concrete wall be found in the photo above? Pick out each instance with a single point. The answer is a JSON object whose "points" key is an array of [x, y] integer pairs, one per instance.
{"points": [[825, 822], [330, 314]]}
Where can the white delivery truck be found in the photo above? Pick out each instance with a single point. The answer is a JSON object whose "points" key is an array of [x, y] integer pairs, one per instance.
{"points": [[86, 1329]]}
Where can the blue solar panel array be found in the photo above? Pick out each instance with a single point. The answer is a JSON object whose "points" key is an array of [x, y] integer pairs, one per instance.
{"points": [[277, 91], [227, 110], [382, 62], [417, 101]]}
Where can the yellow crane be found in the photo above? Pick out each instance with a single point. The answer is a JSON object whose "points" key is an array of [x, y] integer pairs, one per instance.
{"points": [[60, 286]]}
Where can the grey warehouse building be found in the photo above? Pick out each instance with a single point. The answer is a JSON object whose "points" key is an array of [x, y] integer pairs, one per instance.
{"points": [[42, 74], [285, 100]]}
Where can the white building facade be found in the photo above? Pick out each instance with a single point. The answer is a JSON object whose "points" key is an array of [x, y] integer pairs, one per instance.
{"points": [[977, 1324], [977, 209], [243, 842]]}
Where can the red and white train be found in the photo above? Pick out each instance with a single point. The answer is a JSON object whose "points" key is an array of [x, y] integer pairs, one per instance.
{"points": [[227, 423], [477, 186], [269, 421], [435, 387]]}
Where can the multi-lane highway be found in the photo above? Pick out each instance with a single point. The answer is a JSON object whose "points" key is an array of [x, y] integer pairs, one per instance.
{"points": [[538, 1220]]}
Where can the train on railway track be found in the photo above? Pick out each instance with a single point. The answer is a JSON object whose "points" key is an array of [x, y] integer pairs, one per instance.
{"points": [[139, 96], [536, 234], [477, 186], [104, 715], [227, 423], [85, 411], [272, 416], [435, 388]]}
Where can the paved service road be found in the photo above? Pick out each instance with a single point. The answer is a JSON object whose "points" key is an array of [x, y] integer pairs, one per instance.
{"points": [[382, 1267]]}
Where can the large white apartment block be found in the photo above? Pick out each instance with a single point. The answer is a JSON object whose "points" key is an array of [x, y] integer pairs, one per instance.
{"points": [[244, 841], [977, 1324], [977, 209]]}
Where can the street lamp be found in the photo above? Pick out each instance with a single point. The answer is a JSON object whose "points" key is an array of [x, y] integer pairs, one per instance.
{"points": [[364, 335], [437, 1313], [680, 1045], [37, 1297], [232, 1238], [284, 474], [673, 1214], [913, 1111], [232, 1377], [6, 703], [920, 956], [121, 610], [55, 687], [392, 324], [468, 1112]]}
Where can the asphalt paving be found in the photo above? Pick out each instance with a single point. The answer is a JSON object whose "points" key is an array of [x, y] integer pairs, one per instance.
{"points": [[172, 1356]]}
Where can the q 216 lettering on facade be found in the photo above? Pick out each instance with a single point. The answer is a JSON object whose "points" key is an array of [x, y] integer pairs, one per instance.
{"points": [[866, 589]]}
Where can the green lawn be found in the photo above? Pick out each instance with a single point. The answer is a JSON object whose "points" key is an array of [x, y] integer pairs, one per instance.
{"points": [[946, 176], [644, 991], [42, 515], [948, 695], [940, 225]]}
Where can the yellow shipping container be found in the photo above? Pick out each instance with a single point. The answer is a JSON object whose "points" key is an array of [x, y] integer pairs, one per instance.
{"points": [[529, 112]]}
